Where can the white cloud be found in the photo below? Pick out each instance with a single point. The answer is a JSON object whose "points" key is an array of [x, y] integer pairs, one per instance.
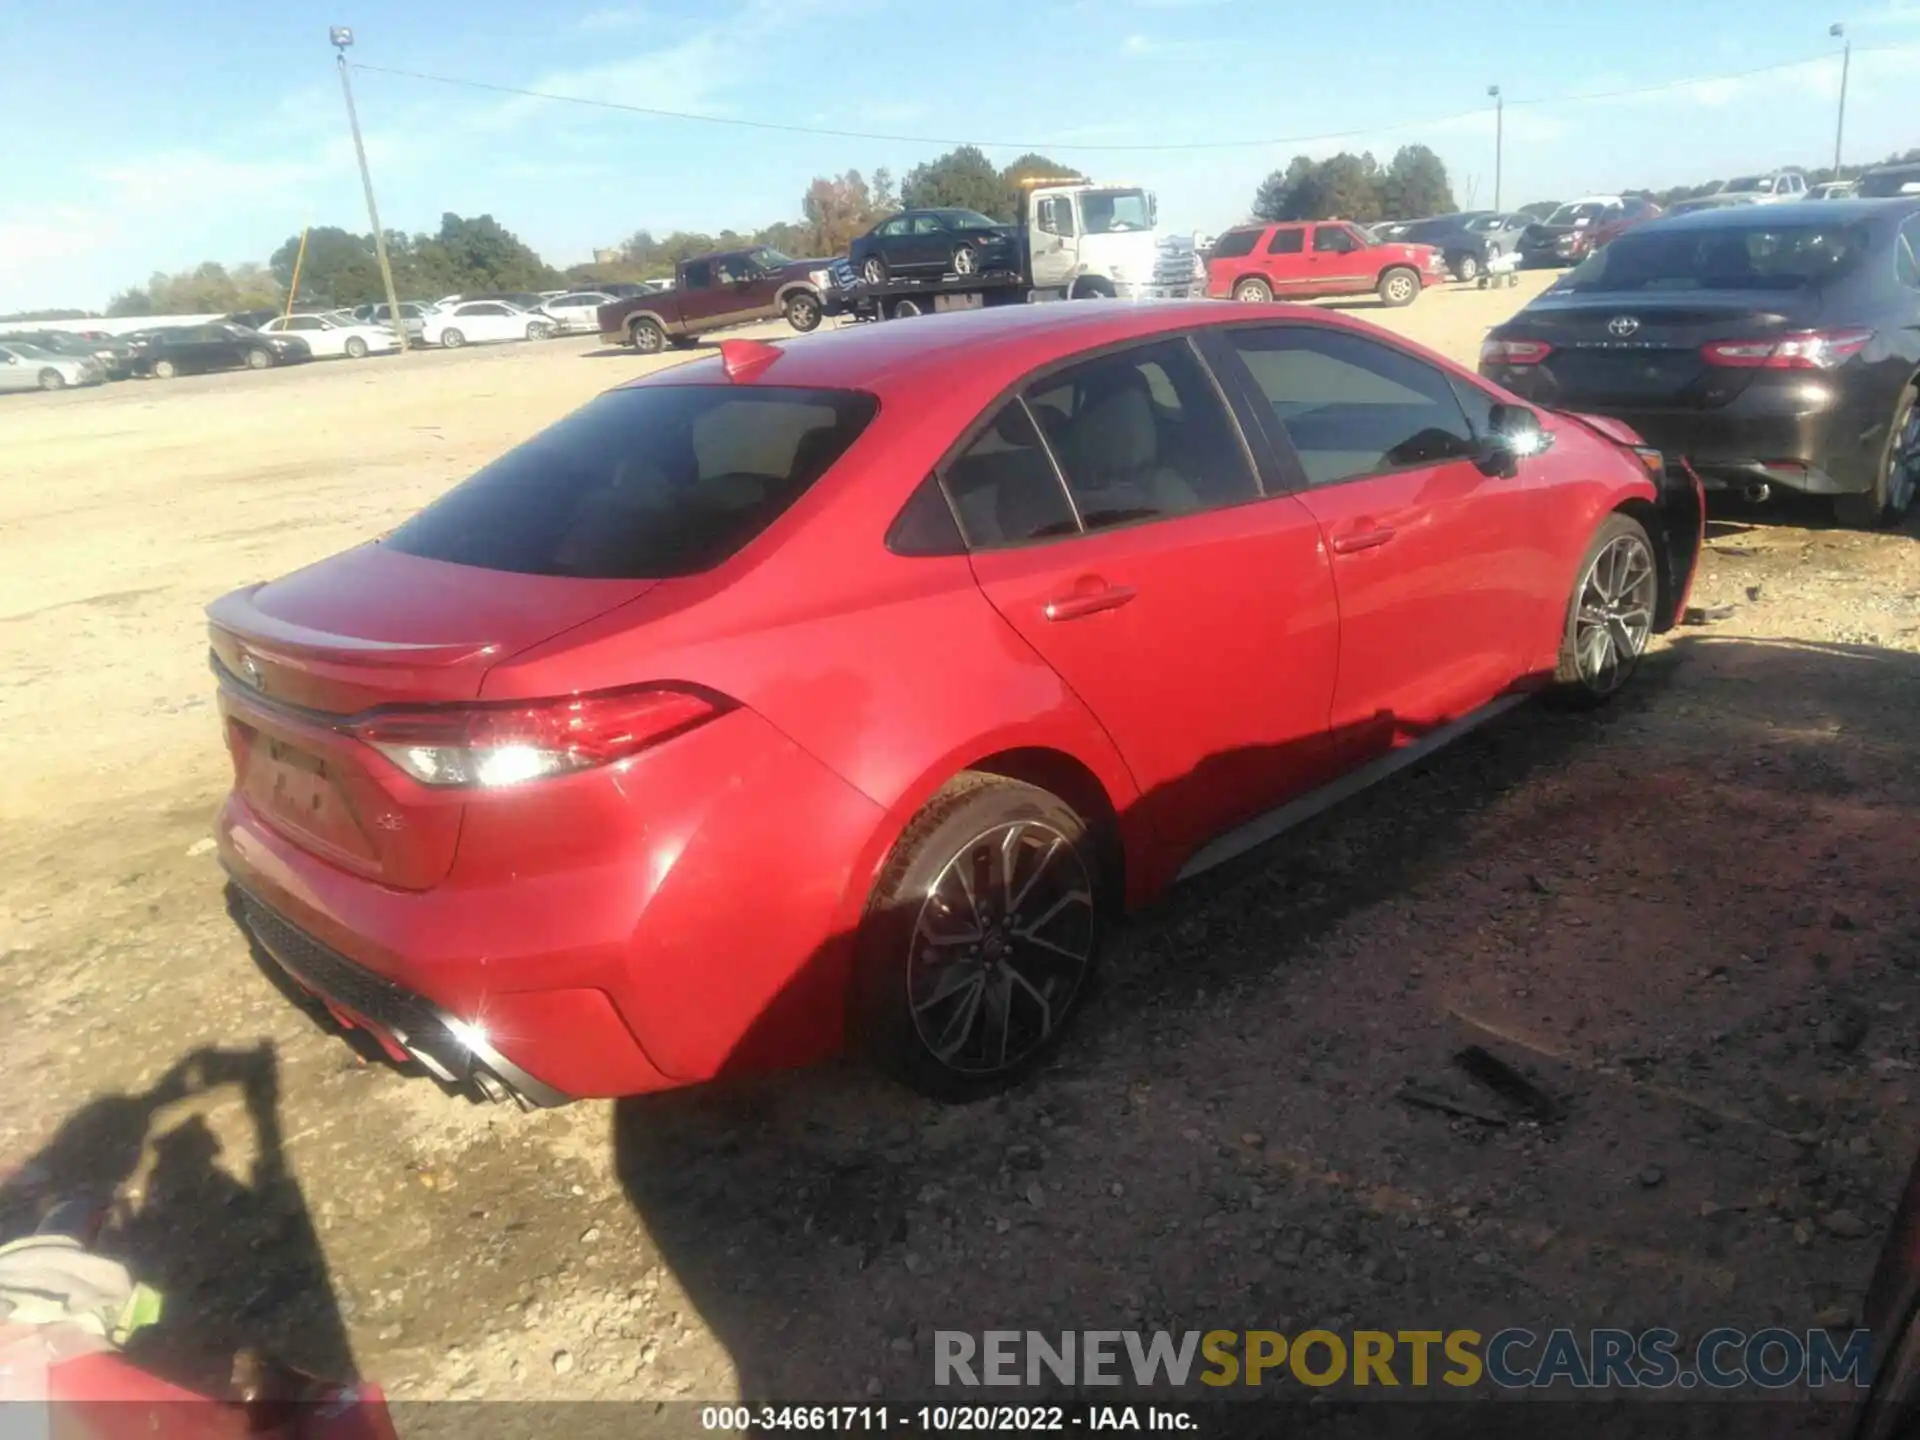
{"points": [[1159, 47], [612, 17]]}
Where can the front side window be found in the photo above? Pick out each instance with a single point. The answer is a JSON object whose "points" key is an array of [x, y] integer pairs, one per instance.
{"points": [[1906, 253], [1112, 212], [1352, 406], [927, 225], [1055, 215], [896, 226], [647, 483], [1334, 240]]}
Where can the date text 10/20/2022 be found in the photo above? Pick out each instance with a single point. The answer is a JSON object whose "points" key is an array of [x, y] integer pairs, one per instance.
{"points": [[929, 1419]]}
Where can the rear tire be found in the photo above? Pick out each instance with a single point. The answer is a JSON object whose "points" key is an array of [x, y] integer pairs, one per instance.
{"points": [[1898, 477], [905, 309], [803, 312], [51, 379], [1399, 286], [1467, 268], [164, 370], [539, 330], [647, 336], [356, 348], [452, 339], [1253, 291], [258, 359], [980, 939], [1609, 615]]}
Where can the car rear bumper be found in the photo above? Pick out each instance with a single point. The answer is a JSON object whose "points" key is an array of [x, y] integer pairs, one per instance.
{"points": [[603, 934], [1812, 436]]}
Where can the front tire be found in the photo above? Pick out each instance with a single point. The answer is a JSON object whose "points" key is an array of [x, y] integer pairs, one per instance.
{"points": [[258, 360], [874, 270], [51, 379], [1897, 481], [803, 312], [966, 260], [647, 336], [1610, 615], [1253, 291], [452, 339], [164, 370], [980, 939], [356, 348], [539, 330], [1399, 286]]}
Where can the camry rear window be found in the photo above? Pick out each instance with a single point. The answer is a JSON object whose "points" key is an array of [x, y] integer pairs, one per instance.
{"points": [[1731, 257], [642, 484]]}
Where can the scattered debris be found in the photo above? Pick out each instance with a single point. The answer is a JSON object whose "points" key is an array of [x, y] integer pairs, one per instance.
{"points": [[1651, 1177], [1428, 1099], [1706, 614], [202, 846], [1845, 1224]]}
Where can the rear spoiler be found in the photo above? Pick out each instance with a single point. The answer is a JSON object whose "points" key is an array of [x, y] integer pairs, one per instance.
{"points": [[235, 616]]}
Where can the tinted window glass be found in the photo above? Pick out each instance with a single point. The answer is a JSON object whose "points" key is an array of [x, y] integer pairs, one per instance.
{"points": [[1333, 239], [896, 226], [1906, 253], [1141, 435], [696, 275], [925, 524], [1004, 487], [1287, 242], [1353, 406], [1880, 184], [1234, 244], [927, 225], [1728, 257], [646, 483]]}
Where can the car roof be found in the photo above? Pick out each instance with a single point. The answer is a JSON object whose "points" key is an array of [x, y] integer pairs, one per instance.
{"points": [[1795, 212], [980, 351]]}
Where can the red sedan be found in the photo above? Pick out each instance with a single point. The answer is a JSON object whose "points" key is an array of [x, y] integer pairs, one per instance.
{"points": [[846, 691]]}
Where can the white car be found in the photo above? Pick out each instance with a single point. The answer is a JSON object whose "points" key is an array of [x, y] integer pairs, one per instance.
{"points": [[28, 367], [577, 311], [328, 335], [477, 321]]}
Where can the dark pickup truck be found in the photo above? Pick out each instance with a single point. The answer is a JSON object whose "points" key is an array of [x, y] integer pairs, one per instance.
{"points": [[711, 292]]}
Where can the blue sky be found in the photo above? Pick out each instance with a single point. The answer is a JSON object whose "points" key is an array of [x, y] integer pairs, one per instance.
{"points": [[146, 136]]}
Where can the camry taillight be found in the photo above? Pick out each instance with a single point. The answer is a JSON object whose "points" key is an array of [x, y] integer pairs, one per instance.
{"points": [[485, 746], [1514, 352], [1801, 350]]}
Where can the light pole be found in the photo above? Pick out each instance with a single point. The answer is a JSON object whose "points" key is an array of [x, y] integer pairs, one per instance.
{"points": [[341, 37], [1839, 32], [1499, 138]]}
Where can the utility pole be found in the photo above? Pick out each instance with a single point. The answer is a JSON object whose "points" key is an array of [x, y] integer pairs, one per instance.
{"points": [[1499, 138], [1839, 32], [342, 37]]}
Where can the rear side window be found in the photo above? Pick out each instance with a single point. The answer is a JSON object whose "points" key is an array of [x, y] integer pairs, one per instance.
{"points": [[1287, 242], [641, 484], [1004, 487], [1352, 406], [1234, 244]]}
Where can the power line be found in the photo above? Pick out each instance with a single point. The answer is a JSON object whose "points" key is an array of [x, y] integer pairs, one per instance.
{"points": [[1067, 145]]}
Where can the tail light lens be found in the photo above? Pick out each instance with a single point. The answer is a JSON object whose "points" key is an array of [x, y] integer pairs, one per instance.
{"points": [[1514, 352], [1802, 350], [489, 746]]}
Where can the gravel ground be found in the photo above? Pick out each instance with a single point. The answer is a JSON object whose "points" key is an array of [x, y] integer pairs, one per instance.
{"points": [[1688, 919]]}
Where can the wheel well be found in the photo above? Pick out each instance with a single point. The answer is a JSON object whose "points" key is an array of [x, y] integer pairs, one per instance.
{"points": [[1090, 285], [1241, 280], [1648, 514], [639, 315], [798, 288], [1060, 774]]}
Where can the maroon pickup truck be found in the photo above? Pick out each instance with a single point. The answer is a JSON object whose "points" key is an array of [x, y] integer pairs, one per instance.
{"points": [[710, 292]]}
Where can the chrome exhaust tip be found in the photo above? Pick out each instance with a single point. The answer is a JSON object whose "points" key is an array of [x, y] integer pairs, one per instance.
{"points": [[1756, 493]]}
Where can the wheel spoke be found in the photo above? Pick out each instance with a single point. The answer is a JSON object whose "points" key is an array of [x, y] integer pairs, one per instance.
{"points": [[960, 1026], [1019, 898], [1031, 930], [956, 979], [1015, 976], [1004, 991]]}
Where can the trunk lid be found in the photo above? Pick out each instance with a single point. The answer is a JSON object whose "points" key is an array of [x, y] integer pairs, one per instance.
{"points": [[1634, 350], [366, 628]]}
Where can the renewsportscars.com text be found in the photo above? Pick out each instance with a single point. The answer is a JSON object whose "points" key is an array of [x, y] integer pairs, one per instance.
{"points": [[1724, 1359]]}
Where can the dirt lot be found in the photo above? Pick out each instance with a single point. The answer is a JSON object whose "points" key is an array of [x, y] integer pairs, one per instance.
{"points": [[1690, 918]]}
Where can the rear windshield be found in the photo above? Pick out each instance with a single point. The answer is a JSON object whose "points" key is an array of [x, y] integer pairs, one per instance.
{"points": [[642, 484], [1743, 257], [1888, 183], [1234, 244], [1580, 210]]}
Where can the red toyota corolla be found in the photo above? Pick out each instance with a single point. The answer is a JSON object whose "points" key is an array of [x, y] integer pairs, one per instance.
{"points": [[845, 691]]}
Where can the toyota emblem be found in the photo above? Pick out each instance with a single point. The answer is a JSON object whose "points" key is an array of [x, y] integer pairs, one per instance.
{"points": [[250, 671], [1622, 325]]}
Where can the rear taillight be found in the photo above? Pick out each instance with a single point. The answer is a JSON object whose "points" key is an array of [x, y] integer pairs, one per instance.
{"points": [[1514, 352], [485, 746], [1802, 350]]}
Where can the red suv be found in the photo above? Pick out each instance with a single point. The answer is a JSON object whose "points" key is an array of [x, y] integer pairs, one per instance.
{"points": [[852, 687], [1307, 259]]}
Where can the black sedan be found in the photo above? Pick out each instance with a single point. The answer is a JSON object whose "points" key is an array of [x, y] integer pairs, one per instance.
{"points": [[1467, 240], [933, 242], [176, 349], [1770, 345]]}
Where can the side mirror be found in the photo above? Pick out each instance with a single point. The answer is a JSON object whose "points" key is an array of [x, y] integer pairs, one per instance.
{"points": [[1514, 432]]}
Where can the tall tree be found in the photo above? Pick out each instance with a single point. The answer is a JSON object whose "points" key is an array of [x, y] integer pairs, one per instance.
{"points": [[961, 179], [1272, 199], [338, 269], [885, 202], [130, 302], [836, 210], [1415, 185]]}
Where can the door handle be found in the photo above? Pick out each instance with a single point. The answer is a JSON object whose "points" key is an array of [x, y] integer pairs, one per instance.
{"points": [[1089, 600], [1362, 539]]}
